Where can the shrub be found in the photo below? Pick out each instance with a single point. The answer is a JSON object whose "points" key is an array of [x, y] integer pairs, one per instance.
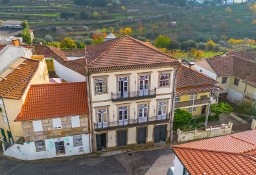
{"points": [[142, 38], [222, 107], [174, 45], [181, 118], [162, 41], [201, 46], [189, 44]]}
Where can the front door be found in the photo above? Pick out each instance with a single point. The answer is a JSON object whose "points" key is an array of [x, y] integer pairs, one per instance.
{"points": [[141, 135], [123, 115], [121, 137], [60, 148], [144, 85], [160, 133], [101, 141], [203, 109], [143, 113], [123, 87]]}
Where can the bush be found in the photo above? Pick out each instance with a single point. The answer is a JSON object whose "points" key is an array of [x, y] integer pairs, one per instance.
{"points": [[187, 45], [142, 38], [181, 118], [201, 46], [85, 15], [174, 45], [222, 107], [216, 48]]}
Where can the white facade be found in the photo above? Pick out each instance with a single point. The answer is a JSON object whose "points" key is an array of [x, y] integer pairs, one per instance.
{"points": [[206, 72], [67, 74], [28, 151], [11, 54], [234, 95], [179, 168]]}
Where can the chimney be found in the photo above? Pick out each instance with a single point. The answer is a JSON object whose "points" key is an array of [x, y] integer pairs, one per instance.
{"points": [[15, 42]]}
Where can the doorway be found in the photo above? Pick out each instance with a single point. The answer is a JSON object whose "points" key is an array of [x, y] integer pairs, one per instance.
{"points": [[144, 85], [160, 133], [101, 141], [123, 87], [203, 109], [60, 148], [141, 135], [121, 137]]}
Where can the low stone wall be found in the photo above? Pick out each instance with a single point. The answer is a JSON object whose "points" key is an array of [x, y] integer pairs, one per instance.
{"points": [[212, 131]]}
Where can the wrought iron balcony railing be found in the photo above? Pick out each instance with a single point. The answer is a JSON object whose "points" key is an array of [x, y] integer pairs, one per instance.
{"points": [[148, 93], [123, 123]]}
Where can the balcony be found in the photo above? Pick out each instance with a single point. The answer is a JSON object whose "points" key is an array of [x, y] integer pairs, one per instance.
{"points": [[192, 102], [131, 122], [134, 95]]}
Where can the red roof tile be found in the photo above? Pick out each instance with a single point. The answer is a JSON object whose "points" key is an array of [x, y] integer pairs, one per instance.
{"points": [[233, 154], [15, 83], [1, 47], [54, 100], [190, 82]]}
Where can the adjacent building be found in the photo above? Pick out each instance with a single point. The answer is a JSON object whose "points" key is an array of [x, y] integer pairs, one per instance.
{"points": [[54, 119], [195, 92], [235, 73], [232, 154]]}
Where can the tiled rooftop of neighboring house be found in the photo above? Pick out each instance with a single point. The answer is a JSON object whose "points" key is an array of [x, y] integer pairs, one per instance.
{"points": [[74, 52], [125, 52], [2, 46], [190, 82], [239, 64], [232, 154], [14, 81], [54, 100]]}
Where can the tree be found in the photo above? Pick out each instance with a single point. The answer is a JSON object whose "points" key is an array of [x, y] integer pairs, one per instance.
{"points": [[210, 45], [39, 40], [82, 2], [187, 45], [162, 41], [174, 45], [253, 7], [127, 31], [48, 38], [79, 44], [95, 14], [142, 38], [67, 43], [228, 10], [201, 46], [85, 15], [222, 107], [181, 118], [123, 8]]}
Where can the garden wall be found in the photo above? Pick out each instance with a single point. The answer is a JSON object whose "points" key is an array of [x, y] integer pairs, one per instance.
{"points": [[212, 131]]}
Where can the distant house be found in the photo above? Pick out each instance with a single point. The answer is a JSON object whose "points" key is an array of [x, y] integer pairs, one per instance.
{"points": [[195, 92], [235, 73], [229, 155], [55, 122]]}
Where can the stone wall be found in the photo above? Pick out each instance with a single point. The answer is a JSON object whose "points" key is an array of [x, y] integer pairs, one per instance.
{"points": [[212, 131], [49, 132]]}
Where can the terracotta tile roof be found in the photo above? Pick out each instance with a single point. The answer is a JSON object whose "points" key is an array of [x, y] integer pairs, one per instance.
{"points": [[190, 82], [233, 154], [74, 52], [1, 47], [15, 83], [119, 53], [54, 100], [239, 64]]}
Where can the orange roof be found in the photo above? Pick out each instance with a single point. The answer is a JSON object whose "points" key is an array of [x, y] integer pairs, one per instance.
{"points": [[232, 154], [15, 83], [54, 100]]}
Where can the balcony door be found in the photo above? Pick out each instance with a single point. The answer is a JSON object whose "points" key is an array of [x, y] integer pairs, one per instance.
{"points": [[162, 111], [123, 115], [123, 87], [143, 113], [102, 118], [144, 85]]}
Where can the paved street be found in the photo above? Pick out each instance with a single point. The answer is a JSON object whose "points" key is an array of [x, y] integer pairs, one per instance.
{"points": [[145, 162]]}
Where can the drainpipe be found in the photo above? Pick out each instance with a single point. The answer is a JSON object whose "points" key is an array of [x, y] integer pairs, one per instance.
{"points": [[173, 104], [87, 75]]}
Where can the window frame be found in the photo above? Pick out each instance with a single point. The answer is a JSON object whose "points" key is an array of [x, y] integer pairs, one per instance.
{"points": [[75, 121], [236, 81], [176, 101], [100, 89], [43, 148], [37, 125], [165, 82], [224, 78], [56, 121]]}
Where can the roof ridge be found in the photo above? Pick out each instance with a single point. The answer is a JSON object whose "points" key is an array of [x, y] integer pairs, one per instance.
{"points": [[243, 141], [58, 84], [118, 39]]}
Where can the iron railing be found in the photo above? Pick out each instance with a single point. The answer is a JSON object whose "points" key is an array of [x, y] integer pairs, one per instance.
{"points": [[149, 93], [130, 122]]}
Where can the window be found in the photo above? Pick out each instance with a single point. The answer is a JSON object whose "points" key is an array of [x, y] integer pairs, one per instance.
{"points": [[162, 110], [190, 109], [236, 81], [100, 86], [191, 97], [37, 125], [203, 96], [224, 80], [102, 117], [40, 146], [75, 121], [194, 108], [4, 117], [164, 79], [77, 140], [177, 99], [143, 112], [123, 113], [56, 123]]}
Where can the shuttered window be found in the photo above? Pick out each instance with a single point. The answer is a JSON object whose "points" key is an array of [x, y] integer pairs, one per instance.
{"points": [[75, 121], [56, 123], [37, 125]]}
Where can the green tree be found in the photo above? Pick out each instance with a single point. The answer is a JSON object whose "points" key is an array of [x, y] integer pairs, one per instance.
{"points": [[222, 107], [174, 45], [210, 45], [187, 45], [162, 41], [67, 43], [181, 119], [85, 15]]}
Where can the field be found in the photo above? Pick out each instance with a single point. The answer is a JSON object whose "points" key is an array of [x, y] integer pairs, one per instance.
{"points": [[197, 23]]}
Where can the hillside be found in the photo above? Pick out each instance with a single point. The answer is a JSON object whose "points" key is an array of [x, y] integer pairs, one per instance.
{"points": [[61, 18]]}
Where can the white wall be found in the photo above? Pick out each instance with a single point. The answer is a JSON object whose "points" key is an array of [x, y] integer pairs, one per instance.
{"points": [[178, 166], [234, 95], [67, 74], [206, 72], [27, 151]]}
